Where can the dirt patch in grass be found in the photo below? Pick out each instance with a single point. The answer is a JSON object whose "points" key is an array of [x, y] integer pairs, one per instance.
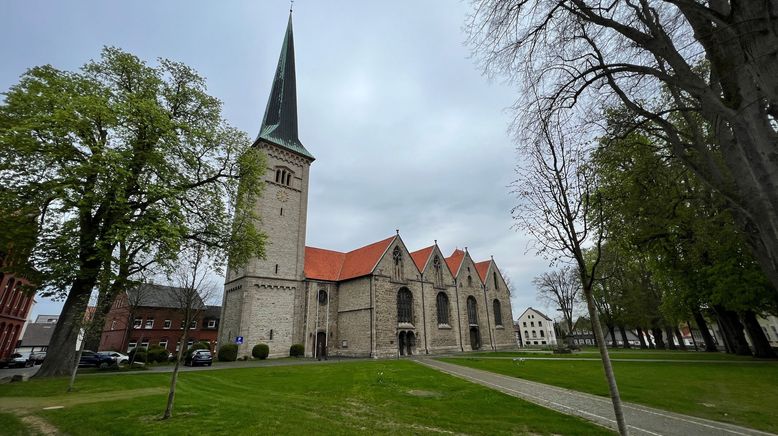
{"points": [[420, 393], [21, 404], [39, 425]]}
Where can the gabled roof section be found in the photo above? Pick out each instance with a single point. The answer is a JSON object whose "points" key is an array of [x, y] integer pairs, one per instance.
{"points": [[321, 264], [362, 261], [536, 311], [483, 268], [279, 125], [455, 261], [421, 257]]}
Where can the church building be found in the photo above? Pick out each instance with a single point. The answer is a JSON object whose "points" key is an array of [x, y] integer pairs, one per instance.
{"points": [[380, 300]]}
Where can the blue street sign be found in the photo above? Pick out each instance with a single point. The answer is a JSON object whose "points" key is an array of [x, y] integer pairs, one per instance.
{"points": [[239, 340]]}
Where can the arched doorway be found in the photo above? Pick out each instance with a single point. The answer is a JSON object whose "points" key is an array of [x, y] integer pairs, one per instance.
{"points": [[321, 345], [475, 338], [410, 343]]}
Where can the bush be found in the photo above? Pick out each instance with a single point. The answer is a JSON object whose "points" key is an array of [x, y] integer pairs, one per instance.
{"points": [[202, 345], [260, 351], [228, 353], [297, 350], [157, 354], [141, 356]]}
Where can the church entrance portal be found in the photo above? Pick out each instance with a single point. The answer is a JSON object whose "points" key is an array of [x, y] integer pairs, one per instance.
{"points": [[406, 343], [321, 345], [475, 338]]}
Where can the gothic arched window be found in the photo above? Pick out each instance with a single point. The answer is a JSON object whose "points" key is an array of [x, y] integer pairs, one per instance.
{"points": [[404, 306], [289, 179], [397, 256], [472, 311], [469, 280], [322, 297], [497, 312], [496, 286], [438, 269], [442, 308]]}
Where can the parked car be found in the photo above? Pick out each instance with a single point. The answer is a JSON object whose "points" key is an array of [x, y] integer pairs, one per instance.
{"points": [[119, 358], [90, 358], [17, 360], [37, 357], [199, 357]]}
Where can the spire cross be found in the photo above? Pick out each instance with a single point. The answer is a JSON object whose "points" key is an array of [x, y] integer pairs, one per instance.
{"points": [[291, 5]]}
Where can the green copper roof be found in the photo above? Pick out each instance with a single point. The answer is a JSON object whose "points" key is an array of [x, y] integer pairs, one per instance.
{"points": [[279, 125]]}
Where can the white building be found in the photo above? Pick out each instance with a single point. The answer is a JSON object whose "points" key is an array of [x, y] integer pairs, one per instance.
{"points": [[536, 328]]}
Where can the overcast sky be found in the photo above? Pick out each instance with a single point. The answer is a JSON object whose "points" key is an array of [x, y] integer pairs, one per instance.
{"points": [[406, 132]]}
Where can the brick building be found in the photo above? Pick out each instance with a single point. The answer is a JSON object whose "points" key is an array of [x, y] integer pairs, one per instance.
{"points": [[377, 300], [150, 315], [16, 301]]}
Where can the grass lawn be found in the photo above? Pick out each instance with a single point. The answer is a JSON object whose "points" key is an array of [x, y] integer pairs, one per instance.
{"points": [[739, 393], [386, 397], [623, 354]]}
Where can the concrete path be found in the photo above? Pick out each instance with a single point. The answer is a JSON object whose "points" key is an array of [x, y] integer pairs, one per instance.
{"points": [[641, 420]]}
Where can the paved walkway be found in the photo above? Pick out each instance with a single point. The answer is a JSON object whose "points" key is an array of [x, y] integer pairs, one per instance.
{"points": [[641, 420], [614, 359]]}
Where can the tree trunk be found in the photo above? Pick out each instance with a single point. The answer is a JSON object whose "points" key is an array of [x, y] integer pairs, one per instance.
{"points": [[641, 338], [733, 330], [657, 333], [606, 362], [61, 354], [624, 338], [761, 345], [670, 341], [710, 345], [171, 396], [612, 331], [75, 367], [679, 336]]}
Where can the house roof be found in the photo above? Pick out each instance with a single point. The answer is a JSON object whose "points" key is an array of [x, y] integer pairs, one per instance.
{"points": [[455, 261], [38, 334], [536, 311], [482, 268], [421, 257], [212, 312], [152, 295], [332, 265]]}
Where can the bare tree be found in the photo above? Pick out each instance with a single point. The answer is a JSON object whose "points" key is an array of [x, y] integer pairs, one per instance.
{"points": [[193, 289], [135, 298], [558, 199], [702, 75], [560, 288]]}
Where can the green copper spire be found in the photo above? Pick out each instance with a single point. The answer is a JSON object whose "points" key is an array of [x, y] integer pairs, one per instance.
{"points": [[279, 125]]}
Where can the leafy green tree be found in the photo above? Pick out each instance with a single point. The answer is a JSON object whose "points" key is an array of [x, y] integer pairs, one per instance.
{"points": [[121, 163]]}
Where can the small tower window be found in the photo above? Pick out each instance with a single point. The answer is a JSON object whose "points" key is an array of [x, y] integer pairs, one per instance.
{"points": [[276, 268], [322, 297], [289, 179], [494, 274], [278, 176]]}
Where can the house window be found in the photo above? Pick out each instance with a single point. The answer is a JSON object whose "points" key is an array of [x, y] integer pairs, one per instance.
{"points": [[534, 334], [189, 343], [442, 301], [144, 343], [472, 311], [541, 334], [404, 306], [149, 323], [178, 346], [526, 334], [525, 323], [532, 323], [211, 323], [497, 312], [136, 323], [193, 325], [540, 323], [167, 323], [131, 345], [543, 342], [113, 325], [183, 323], [163, 343]]}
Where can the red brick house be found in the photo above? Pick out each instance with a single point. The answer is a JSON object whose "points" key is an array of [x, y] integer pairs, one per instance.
{"points": [[151, 315], [16, 300]]}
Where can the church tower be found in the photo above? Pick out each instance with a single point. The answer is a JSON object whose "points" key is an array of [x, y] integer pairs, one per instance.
{"points": [[262, 302]]}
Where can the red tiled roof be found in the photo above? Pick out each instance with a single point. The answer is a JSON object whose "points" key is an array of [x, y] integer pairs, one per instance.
{"points": [[332, 265], [420, 257], [361, 261], [323, 264], [455, 261], [482, 268]]}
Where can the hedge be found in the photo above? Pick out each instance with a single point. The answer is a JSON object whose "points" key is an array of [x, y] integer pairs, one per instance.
{"points": [[297, 350], [228, 353], [260, 351]]}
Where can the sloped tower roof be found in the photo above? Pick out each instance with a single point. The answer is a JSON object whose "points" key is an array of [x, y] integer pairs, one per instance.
{"points": [[279, 125]]}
